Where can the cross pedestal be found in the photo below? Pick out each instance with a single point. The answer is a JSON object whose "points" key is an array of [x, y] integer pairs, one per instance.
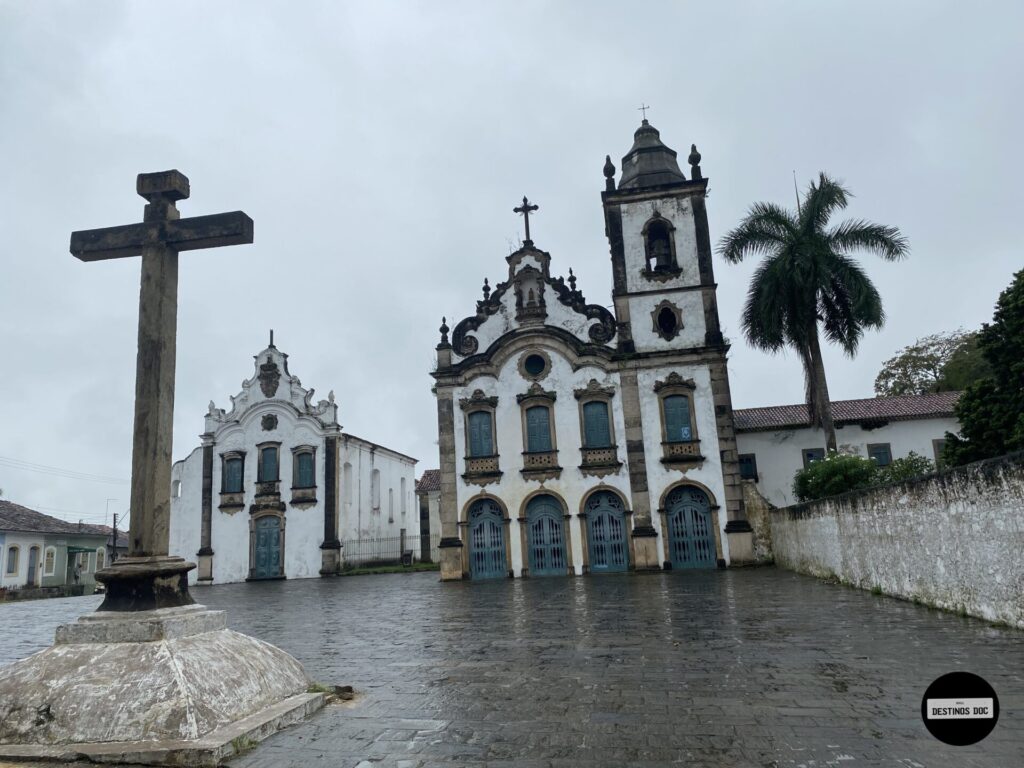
{"points": [[151, 677]]}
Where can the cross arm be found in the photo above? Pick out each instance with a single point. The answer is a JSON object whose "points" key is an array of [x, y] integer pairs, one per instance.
{"points": [[189, 234]]}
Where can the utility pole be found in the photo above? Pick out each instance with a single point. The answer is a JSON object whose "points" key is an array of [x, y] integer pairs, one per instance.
{"points": [[113, 548]]}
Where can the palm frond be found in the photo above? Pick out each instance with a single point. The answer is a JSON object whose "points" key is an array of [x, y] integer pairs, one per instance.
{"points": [[766, 228], [850, 304], [821, 201], [857, 234], [764, 312]]}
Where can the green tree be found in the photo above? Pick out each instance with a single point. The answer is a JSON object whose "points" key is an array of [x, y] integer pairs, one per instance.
{"points": [[991, 411], [808, 283], [941, 362], [836, 473], [910, 466]]}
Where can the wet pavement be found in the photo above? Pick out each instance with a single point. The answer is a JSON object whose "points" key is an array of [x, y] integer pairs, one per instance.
{"points": [[743, 668]]}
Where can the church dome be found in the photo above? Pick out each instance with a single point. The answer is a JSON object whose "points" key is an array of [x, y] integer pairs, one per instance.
{"points": [[649, 163]]}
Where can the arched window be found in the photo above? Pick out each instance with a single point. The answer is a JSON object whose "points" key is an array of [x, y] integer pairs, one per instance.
{"points": [[481, 436], [659, 247], [100, 556], [596, 427], [401, 500], [678, 425], [268, 467], [538, 429], [375, 490], [12, 560]]}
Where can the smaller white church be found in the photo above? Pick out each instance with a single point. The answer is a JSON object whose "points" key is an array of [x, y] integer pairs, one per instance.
{"points": [[276, 487]]}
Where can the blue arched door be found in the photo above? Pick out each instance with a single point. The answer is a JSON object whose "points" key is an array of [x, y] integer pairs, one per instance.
{"points": [[266, 557], [486, 541], [606, 533], [691, 538], [545, 540]]}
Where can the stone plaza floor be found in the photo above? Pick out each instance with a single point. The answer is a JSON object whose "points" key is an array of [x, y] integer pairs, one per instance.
{"points": [[757, 667]]}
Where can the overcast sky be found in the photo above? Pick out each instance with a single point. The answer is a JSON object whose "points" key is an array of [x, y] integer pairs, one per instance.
{"points": [[380, 148]]}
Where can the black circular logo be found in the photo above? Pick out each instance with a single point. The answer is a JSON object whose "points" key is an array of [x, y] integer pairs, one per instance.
{"points": [[960, 709]]}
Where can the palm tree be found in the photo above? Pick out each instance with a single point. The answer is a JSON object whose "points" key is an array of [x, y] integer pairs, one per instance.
{"points": [[808, 279]]}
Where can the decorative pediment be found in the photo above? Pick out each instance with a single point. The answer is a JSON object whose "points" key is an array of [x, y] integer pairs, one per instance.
{"points": [[536, 392], [477, 400], [674, 381], [272, 382], [528, 292], [594, 389]]}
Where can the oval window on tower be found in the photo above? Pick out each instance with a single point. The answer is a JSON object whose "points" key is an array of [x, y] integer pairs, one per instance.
{"points": [[667, 323]]}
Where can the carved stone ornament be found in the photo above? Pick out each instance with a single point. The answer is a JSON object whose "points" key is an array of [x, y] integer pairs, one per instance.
{"points": [[270, 378], [268, 422], [536, 391], [594, 388], [478, 398], [674, 380]]}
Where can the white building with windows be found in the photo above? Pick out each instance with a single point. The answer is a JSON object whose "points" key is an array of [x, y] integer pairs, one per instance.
{"points": [[276, 486], [774, 443], [574, 439], [37, 550]]}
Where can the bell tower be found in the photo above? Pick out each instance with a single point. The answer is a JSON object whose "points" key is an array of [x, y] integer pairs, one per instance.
{"points": [[666, 309]]}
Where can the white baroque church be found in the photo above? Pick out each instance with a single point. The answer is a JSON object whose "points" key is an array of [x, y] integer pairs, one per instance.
{"points": [[276, 486], [577, 440]]}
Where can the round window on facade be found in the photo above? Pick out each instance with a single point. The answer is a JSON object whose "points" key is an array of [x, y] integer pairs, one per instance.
{"points": [[534, 365]]}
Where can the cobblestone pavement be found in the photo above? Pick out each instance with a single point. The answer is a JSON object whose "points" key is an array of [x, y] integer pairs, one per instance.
{"points": [[738, 668]]}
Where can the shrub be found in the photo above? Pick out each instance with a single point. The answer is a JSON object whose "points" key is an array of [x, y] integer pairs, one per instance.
{"points": [[836, 473], [911, 466]]}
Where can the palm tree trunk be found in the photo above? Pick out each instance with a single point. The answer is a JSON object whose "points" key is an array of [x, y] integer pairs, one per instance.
{"points": [[818, 388]]}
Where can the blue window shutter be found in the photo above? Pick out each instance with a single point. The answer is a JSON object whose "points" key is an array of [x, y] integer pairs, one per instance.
{"points": [[538, 429], [268, 465], [677, 418], [596, 432], [233, 476], [480, 443], [305, 478]]}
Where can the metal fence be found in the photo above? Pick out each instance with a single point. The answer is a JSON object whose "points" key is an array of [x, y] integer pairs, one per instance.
{"points": [[357, 553]]}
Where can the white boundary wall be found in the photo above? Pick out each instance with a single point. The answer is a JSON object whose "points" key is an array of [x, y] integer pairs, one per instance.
{"points": [[954, 540]]}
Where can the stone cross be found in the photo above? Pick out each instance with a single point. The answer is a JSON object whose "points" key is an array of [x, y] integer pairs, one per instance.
{"points": [[526, 208], [158, 239]]}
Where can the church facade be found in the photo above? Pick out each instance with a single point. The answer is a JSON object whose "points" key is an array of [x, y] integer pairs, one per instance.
{"points": [[578, 440], [276, 486]]}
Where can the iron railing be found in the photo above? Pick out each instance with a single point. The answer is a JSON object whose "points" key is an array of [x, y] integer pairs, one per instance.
{"points": [[357, 553]]}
